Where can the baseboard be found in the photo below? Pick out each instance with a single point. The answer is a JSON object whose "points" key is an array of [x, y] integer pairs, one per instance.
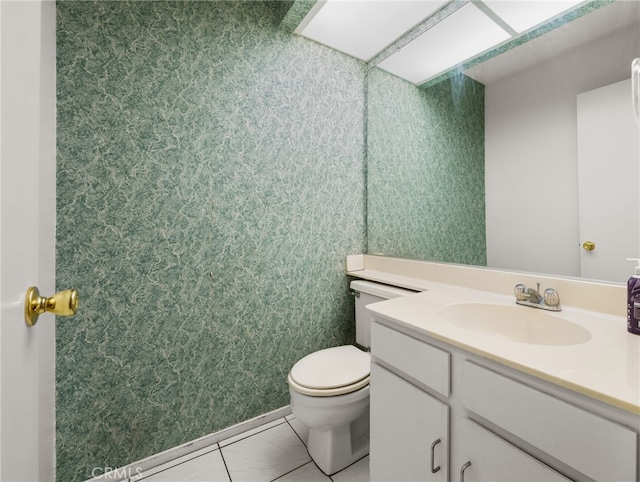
{"points": [[122, 473]]}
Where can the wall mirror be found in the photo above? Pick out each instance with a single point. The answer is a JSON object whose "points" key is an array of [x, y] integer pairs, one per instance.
{"points": [[486, 167]]}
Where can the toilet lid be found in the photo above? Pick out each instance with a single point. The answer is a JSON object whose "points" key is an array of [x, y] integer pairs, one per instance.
{"points": [[332, 368]]}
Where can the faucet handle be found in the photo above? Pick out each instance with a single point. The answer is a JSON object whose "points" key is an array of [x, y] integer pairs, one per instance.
{"points": [[551, 297], [521, 293]]}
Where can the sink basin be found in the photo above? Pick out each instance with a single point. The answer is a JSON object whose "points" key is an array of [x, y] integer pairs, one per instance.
{"points": [[515, 323]]}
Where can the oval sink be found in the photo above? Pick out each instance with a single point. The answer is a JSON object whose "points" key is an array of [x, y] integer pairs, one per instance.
{"points": [[515, 323]]}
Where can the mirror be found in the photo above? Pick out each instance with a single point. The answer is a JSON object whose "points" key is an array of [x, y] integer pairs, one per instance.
{"points": [[483, 168]]}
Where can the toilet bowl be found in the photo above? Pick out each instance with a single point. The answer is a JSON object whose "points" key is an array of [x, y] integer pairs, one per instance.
{"points": [[329, 390]]}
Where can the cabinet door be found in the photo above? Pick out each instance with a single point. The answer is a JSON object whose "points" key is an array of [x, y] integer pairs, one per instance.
{"points": [[485, 457], [406, 424]]}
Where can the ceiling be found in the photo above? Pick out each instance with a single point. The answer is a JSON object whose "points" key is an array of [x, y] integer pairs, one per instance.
{"points": [[419, 40], [615, 18]]}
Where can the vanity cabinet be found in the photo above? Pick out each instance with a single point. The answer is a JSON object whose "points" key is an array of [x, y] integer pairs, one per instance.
{"points": [[599, 448], [436, 405]]}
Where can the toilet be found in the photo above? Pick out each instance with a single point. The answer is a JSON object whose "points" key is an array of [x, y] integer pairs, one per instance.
{"points": [[329, 389]]}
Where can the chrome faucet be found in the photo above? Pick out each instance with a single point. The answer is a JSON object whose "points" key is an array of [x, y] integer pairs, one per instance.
{"points": [[550, 300]]}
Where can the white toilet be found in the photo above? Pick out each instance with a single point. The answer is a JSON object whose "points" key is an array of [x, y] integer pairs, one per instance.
{"points": [[330, 389]]}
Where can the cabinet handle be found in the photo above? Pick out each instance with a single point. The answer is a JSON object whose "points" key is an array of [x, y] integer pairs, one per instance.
{"points": [[462, 469], [433, 449]]}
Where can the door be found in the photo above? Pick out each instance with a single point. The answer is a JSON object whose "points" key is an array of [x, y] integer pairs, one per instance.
{"points": [[485, 457], [608, 182], [27, 237], [409, 431]]}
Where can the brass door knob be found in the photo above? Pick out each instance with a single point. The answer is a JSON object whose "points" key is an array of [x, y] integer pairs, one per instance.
{"points": [[63, 303], [589, 245]]}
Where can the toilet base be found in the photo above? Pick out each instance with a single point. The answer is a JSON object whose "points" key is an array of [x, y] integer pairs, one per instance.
{"points": [[333, 450]]}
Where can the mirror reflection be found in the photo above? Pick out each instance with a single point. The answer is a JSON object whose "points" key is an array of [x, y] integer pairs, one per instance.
{"points": [[518, 162]]}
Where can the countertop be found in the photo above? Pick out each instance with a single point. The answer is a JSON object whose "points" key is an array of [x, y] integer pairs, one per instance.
{"points": [[606, 366]]}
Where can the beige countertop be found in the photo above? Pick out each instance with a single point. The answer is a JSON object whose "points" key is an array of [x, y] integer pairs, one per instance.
{"points": [[604, 364]]}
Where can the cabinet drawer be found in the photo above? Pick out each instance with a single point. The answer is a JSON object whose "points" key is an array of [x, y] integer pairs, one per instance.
{"points": [[423, 362], [600, 449]]}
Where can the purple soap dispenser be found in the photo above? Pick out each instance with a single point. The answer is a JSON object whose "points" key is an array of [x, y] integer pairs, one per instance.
{"points": [[633, 300]]}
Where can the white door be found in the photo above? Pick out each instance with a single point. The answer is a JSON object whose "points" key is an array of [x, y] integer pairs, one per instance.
{"points": [[27, 238], [409, 431], [608, 180], [485, 457]]}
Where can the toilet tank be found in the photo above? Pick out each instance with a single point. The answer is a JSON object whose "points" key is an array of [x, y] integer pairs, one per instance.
{"points": [[367, 292]]}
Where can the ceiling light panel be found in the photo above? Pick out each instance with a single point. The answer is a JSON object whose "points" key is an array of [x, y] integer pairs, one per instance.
{"points": [[362, 28], [459, 37], [521, 15]]}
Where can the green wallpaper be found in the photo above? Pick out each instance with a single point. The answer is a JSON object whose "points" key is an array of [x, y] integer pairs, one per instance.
{"points": [[210, 184], [425, 172], [211, 179]]}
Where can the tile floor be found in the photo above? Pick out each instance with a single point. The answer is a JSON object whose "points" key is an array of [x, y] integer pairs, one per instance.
{"points": [[272, 452]]}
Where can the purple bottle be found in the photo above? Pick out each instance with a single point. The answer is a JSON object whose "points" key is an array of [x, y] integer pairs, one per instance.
{"points": [[633, 300]]}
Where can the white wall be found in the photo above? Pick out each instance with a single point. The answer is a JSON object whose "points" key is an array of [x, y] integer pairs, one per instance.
{"points": [[531, 156]]}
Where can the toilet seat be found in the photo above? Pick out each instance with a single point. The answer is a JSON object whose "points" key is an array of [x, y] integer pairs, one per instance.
{"points": [[330, 372]]}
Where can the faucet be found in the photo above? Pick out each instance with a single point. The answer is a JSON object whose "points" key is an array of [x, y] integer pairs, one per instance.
{"points": [[550, 300]]}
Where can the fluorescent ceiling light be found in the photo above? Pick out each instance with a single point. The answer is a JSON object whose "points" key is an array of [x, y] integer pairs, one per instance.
{"points": [[362, 28], [459, 37], [521, 15]]}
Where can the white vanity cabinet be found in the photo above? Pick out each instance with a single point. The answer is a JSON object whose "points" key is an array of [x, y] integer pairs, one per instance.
{"points": [[491, 422], [595, 446]]}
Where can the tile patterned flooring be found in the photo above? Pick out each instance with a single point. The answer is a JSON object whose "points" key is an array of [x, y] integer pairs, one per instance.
{"points": [[272, 452]]}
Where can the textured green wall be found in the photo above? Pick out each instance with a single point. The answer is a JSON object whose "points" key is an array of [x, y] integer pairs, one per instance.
{"points": [[425, 172], [210, 184], [211, 179]]}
